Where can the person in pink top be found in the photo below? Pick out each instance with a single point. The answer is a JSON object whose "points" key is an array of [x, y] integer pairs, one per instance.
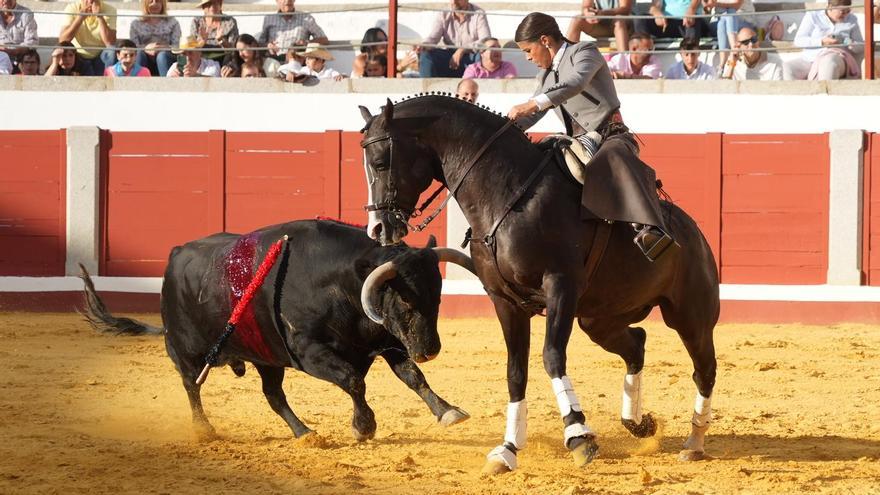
{"points": [[490, 65], [636, 65], [126, 65]]}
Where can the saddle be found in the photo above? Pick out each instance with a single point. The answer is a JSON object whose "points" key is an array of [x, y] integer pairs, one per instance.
{"points": [[576, 156]]}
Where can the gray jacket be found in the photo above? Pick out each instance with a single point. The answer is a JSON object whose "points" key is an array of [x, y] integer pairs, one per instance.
{"points": [[585, 88]]}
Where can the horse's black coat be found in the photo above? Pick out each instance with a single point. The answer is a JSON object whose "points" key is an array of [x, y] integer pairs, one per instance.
{"points": [[311, 297], [542, 244]]}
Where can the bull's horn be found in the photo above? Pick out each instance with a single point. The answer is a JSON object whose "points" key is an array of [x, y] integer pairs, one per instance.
{"points": [[457, 257], [381, 274]]}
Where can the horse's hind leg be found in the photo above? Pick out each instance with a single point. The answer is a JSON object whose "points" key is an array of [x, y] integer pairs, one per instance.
{"points": [[695, 324], [615, 336]]}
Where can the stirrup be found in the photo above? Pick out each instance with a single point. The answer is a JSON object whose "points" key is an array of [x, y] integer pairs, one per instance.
{"points": [[653, 242]]}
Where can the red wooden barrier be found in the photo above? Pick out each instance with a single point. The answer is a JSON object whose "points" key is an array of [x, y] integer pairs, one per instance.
{"points": [[33, 181], [274, 177], [690, 168], [162, 189], [775, 209]]}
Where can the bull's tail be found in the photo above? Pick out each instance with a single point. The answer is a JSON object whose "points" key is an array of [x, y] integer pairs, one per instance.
{"points": [[101, 320]]}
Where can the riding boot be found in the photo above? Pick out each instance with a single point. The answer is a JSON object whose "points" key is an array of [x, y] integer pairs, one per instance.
{"points": [[652, 240]]}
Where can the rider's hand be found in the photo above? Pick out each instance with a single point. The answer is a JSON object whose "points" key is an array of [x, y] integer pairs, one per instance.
{"points": [[522, 110]]}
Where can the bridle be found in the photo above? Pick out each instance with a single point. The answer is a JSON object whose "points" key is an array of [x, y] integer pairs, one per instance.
{"points": [[393, 207]]}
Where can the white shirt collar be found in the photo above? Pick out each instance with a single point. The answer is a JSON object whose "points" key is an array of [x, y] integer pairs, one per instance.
{"points": [[558, 57]]}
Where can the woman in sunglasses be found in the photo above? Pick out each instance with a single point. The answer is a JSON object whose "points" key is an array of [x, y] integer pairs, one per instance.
{"points": [[832, 42]]}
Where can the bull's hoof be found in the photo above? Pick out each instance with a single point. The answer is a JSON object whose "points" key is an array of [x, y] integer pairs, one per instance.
{"points": [[583, 450], [454, 416], [494, 468], [647, 428], [688, 455], [362, 436]]}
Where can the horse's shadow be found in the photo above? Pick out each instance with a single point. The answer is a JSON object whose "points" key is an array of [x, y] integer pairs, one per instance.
{"points": [[768, 447]]}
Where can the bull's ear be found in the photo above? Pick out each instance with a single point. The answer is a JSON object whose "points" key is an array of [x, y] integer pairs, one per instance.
{"points": [[388, 110], [363, 268], [432, 242], [365, 113]]}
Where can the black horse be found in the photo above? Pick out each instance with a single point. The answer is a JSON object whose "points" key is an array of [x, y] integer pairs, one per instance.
{"points": [[533, 250]]}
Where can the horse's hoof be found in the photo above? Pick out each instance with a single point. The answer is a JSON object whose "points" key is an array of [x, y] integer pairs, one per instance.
{"points": [[688, 455], [494, 468], [454, 416], [312, 440], [238, 368], [647, 428], [585, 451], [206, 434]]}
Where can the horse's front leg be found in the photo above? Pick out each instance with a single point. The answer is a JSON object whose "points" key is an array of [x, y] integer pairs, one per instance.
{"points": [[515, 325], [562, 295]]}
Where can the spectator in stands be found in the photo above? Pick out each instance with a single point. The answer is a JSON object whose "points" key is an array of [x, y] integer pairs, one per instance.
{"points": [[316, 63], [728, 24], [127, 65], [490, 65], [289, 28], [214, 29], [28, 63], [252, 70], [468, 89], [460, 29], [247, 53], [289, 70], [5, 64], [690, 67], [377, 66], [752, 64], [836, 29], [673, 19], [91, 26], [372, 35], [66, 62], [636, 65], [16, 28], [156, 36], [603, 28], [193, 63]]}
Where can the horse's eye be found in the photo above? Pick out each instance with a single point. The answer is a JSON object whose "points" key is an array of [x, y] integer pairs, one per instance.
{"points": [[380, 165]]}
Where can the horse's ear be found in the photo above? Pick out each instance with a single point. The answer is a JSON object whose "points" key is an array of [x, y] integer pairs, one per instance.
{"points": [[365, 113], [388, 110], [432, 242]]}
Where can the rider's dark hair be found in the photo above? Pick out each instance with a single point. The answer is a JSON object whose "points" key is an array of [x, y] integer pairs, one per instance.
{"points": [[535, 25]]}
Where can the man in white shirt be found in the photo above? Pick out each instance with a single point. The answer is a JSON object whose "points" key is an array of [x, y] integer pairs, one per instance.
{"points": [[690, 67], [752, 64]]}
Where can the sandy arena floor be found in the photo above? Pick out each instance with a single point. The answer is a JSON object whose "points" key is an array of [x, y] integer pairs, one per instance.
{"points": [[795, 411]]}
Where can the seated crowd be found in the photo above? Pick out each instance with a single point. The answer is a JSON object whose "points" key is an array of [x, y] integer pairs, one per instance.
{"points": [[291, 45]]}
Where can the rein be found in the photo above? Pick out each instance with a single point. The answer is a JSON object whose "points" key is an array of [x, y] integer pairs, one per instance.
{"points": [[394, 208]]}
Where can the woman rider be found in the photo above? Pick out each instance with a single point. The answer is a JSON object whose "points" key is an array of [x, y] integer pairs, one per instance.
{"points": [[576, 83]]}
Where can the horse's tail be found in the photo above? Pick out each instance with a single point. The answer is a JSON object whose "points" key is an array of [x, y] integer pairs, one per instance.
{"points": [[100, 318]]}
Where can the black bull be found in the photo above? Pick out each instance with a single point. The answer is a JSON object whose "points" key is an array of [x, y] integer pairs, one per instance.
{"points": [[313, 298]]}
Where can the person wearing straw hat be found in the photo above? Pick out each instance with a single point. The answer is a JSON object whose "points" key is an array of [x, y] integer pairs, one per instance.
{"points": [[190, 62], [214, 29], [316, 63], [91, 27]]}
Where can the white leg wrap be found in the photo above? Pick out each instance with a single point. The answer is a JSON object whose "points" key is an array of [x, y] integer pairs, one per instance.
{"points": [[632, 398], [576, 430], [702, 411], [501, 454], [517, 418], [565, 397]]}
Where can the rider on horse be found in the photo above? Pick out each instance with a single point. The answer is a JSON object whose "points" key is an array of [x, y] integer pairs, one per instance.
{"points": [[577, 84]]}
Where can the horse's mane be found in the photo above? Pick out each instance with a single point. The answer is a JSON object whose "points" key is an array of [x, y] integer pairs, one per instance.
{"points": [[489, 114]]}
